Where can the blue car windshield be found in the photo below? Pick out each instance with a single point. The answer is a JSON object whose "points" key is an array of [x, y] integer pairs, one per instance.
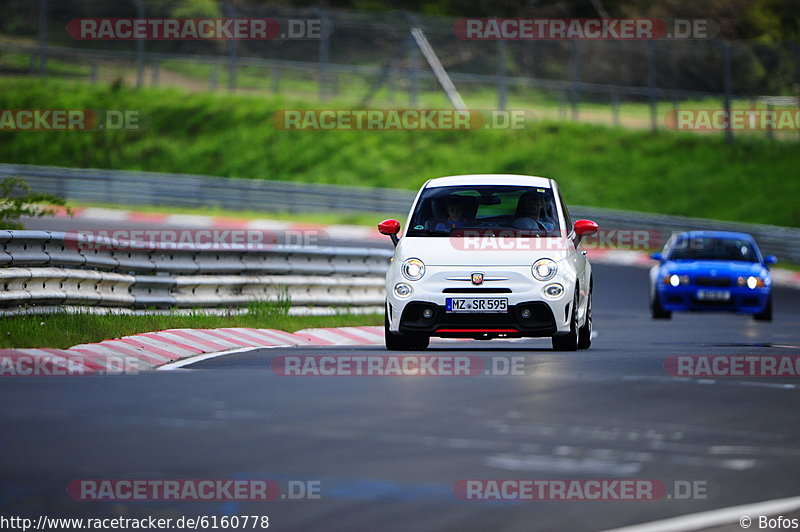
{"points": [[713, 248], [456, 210]]}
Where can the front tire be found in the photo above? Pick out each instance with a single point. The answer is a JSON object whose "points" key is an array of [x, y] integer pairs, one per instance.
{"points": [[766, 314], [569, 341], [585, 332], [403, 342], [657, 311]]}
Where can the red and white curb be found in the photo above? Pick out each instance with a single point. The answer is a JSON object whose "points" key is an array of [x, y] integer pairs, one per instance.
{"points": [[617, 257], [343, 232], [131, 354]]}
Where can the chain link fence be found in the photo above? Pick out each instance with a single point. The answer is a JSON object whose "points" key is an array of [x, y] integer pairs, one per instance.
{"points": [[361, 58]]}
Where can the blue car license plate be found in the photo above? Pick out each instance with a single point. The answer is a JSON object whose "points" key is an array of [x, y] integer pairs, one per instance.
{"points": [[713, 295]]}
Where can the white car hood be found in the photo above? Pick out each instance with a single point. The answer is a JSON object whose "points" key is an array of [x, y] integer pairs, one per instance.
{"points": [[484, 251]]}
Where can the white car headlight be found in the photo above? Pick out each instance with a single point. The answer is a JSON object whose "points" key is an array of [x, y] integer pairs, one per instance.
{"points": [[544, 269], [413, 269]]}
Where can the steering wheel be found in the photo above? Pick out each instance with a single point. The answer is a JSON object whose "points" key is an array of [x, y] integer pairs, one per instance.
{"points": [[529, 224]]}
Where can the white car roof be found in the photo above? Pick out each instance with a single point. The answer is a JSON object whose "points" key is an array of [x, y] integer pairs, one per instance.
{"points": [[490, 179]]}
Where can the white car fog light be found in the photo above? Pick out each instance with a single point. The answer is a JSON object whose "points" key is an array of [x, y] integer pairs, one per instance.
{"points": [[544, 269], [553, 291], [427, 313], [526, 313], [413, 269], [402, 290]]}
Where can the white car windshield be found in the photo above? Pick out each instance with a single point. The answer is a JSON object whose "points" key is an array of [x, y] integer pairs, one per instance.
{"points": [[457, 210]]}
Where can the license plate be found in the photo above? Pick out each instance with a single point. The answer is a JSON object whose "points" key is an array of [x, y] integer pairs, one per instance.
{"points": [[477, 304], [713, 295]]}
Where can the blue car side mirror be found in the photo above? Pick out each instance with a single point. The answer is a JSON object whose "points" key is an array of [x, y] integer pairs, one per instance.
{"points": [[657, 256], [770, 259]]}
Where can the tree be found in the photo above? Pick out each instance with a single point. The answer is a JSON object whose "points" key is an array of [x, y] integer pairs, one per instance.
{"points": [[17, 200]]}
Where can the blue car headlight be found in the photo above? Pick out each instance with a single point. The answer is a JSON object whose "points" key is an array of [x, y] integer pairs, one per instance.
{"points": [[752, 282], [675, 279]]}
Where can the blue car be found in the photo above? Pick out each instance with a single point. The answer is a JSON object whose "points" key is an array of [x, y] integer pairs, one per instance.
{"points": [[711, 271]]}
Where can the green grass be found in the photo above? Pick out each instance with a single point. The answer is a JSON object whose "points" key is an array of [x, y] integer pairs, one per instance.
{"points": [[61, 331], [753, 180]]}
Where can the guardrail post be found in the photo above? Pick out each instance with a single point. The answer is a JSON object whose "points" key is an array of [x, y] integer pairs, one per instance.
{"points": [[140, 13], [42, 38]]}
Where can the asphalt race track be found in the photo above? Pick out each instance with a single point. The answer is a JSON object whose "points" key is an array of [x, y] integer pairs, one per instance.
{"points": [[387, 451]]}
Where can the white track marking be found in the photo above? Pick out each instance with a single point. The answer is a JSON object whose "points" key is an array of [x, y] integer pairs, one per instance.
{"points": [[178, 364], [713, 518]]}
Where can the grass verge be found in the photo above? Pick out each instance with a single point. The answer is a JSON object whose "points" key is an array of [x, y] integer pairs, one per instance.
{"points": [[231, 135], [61, 331]]}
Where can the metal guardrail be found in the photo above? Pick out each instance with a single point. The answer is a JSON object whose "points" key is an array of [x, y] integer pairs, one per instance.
{"points": [[182, 190], [783, 242], [47, 268], [146, 188]]}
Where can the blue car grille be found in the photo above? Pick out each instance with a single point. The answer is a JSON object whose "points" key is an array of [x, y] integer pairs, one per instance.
{"points": [[713, 281]]}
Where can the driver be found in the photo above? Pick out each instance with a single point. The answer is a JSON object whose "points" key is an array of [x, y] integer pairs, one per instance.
{"points": [[531, 207], [456, 208]]}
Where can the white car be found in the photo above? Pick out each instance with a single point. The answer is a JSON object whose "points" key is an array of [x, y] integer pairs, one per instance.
{"points": [[489, 256]]}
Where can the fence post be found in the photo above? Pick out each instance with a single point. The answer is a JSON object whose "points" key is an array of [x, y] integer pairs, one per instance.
{"points": [[413, 72], [42, 37], [212, 76], [140, 14], [232, 49], [615, 105], [651, 85], [276, 80], [502, 80], [575, 74], [727, 83], [154, 75], [94, 69], [770, 108], [324, 53]]}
